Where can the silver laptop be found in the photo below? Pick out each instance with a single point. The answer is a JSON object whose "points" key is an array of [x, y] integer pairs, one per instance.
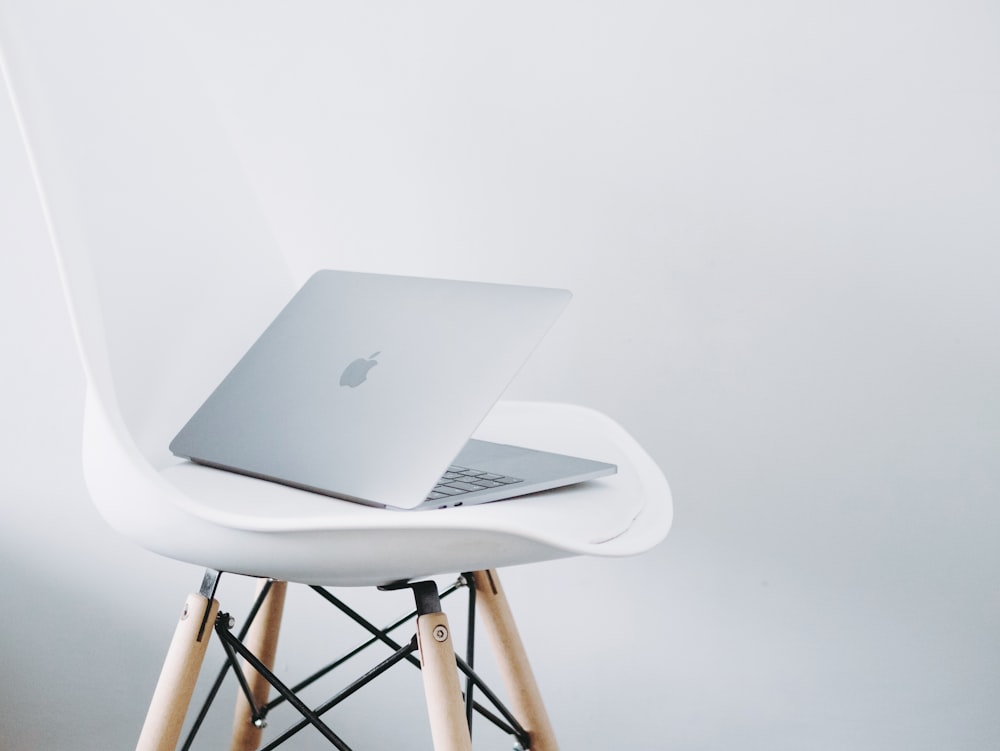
{"points": [[367, 387]]}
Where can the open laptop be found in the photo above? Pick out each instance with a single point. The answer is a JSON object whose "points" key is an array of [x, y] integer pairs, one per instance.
{"points": [[367, 387]]}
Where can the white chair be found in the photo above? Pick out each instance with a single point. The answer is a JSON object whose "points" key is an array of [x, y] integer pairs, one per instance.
{"points": [[170, 273]]}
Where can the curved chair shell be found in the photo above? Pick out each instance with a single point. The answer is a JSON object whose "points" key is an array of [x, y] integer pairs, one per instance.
{"points": [[230, 522]]}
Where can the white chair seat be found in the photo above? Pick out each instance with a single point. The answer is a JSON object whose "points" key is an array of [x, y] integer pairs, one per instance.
{"points": [[231, 522]]}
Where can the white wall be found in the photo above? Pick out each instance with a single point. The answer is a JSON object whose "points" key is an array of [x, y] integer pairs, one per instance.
{"points": [[780, 221]]}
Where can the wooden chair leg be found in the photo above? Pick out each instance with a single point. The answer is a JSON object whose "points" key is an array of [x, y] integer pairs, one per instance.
{"points": [[262, 641], [445, 708], [169, 705], [515, 671]]}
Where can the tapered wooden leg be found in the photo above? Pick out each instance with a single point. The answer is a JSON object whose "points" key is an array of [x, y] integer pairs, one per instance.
{"points": [[512, 661], [262, 641], [449, 728], [169, 705]]}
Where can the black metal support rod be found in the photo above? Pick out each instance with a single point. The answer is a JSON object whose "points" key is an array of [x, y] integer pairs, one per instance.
{"points": [[518, 731], [470, 648], [370, 627], [497, 721], [298, 687], [360, 683], [233, 662], [227, 638], [337, 663]]}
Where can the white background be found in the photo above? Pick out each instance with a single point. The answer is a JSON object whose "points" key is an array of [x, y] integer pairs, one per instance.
{"points": [[780, 221]]}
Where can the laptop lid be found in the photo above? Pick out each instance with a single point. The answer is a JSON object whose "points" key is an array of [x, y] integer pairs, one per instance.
{"points": [[367, 386]]}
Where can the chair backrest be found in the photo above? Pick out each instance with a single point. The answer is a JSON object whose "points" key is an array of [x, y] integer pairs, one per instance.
{"points": [[167, 262]]}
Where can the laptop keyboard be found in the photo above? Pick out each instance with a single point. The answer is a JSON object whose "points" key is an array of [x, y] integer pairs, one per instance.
{"points": [[460, 480]]}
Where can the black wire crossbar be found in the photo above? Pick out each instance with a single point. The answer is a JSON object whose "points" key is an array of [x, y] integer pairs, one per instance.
{"points": [[310, 716], [364, 680], [337, 663], [235, 649]]}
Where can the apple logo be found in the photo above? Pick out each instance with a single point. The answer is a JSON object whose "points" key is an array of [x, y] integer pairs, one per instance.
{"points": [[357, 372]]}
